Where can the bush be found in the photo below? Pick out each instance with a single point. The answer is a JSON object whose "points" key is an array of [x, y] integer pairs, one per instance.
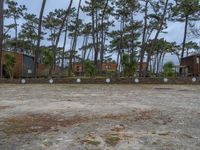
{"points": [[108, 73], [129, 65], [89, 68], [168, 69], [10, 61]]}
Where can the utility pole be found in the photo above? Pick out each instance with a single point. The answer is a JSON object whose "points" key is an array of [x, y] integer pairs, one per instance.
{"points": [[1, 36]]}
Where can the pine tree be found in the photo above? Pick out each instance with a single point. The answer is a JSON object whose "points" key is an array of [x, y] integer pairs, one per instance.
{"points": [[15, 12], [1, 35]]}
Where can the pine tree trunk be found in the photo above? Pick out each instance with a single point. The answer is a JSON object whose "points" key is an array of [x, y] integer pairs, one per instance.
{"points": [[39, 37], [96, 53], [16, 35], [185, 36], [93, 28], [102, 34], [59, 34], [75, 40], [142, 52], [64, 45], [1, 36]]}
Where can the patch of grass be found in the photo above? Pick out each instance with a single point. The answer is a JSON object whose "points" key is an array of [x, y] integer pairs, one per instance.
{"points": [[38, 123], [144, 115], [91, 142], [112, 140], [118, 128], [164, 134]]}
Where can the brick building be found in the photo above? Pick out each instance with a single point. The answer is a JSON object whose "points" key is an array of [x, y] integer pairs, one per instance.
{"points": [[191, 65], [24, 65], [78, 68]]}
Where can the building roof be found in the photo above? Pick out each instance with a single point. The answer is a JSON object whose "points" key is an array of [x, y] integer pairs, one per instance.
{"points": [[193, 55], [20, 53]]}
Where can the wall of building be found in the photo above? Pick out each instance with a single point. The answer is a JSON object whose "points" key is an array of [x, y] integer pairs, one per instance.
{"points": [[192, 65], [109, 66], [24, 66], [28, 66]]}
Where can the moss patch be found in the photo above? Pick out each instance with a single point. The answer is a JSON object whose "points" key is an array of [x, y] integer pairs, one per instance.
{"points": [[112, 140]]}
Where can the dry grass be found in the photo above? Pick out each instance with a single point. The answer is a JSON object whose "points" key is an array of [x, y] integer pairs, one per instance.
{"points": [[143, 115], [91, 142], [114, 116], [38, 123], [118, 128], [5, 107], [44, 122]]}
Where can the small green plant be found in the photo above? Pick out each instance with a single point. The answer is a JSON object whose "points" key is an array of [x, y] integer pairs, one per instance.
{"points": [[47, 58], [89, 68], [91, 142], [64, 72], [108, 73], [129, 64], [10, 61], [168, 70], [112, 140]]}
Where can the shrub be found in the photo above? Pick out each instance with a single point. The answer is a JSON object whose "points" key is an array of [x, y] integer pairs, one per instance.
{"points": [[129, 65], [89, 68], [168, 70], [10, 61]]}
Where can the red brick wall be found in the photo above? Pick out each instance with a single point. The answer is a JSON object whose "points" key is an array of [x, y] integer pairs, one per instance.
{"points": [[43, 70], [109, 66], [192, 65], [77, 68], [144, 65], [18, 68]]}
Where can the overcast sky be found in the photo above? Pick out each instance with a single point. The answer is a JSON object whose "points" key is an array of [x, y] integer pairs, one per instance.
{"points": [[175, 30]]}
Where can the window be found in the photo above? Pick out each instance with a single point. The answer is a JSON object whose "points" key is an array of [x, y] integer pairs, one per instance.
{"points": [[77, 68], [108, 67]]}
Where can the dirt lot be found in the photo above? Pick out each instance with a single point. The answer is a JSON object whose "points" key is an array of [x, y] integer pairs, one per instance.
{"points": [[99, 117]]}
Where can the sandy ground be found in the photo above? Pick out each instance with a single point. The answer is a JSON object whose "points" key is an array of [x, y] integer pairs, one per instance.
{"points": [[99, 117]]}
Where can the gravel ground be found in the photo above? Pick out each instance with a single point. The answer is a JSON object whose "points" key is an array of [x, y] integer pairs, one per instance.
{"points": [[99, 117]]}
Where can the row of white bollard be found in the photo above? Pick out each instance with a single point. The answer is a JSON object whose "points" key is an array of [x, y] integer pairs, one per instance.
{"points": [[108, 80]]}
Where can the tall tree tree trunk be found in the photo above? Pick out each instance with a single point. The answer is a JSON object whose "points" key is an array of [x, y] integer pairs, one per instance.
{"points": [[162, 61], [39, 37], [96, 53], [185, 36], [64, 45], [85, 48], [121, 45], [148, 60], [184, 39], [1, 35], [84, 51], [142, 52], [75, 40], [159, 64], [16, 34], [59, 34], [102, 34], [161, 22], [94, 34], [132, 34], [118, 55]]}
